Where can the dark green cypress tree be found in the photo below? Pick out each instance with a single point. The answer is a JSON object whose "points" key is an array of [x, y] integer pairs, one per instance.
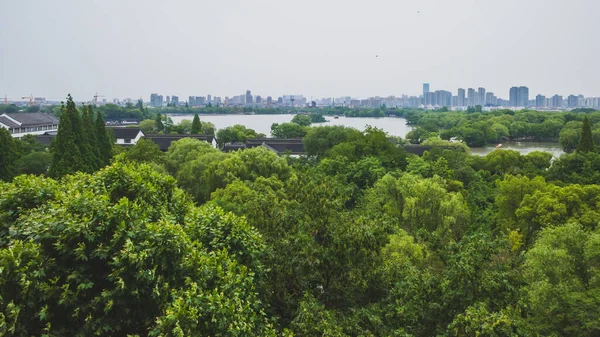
{"points": [[586, 142], [159, 124], [90, 140], [8, 155], [103, 141], [196, 125], [80, 139], [66, 153]]}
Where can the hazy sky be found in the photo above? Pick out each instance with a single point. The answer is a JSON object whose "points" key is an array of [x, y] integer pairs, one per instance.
{"points": [[319, 48]]}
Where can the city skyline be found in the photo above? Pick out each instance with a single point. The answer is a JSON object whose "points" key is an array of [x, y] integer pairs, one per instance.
{"points": [[518, 97], [349, 48], [464, 97]]}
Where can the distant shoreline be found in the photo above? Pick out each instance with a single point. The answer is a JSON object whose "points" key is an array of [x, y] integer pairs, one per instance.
{"points": [[266, 114]]}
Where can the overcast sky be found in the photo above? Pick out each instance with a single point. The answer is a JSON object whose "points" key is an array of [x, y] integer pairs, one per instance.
{"points": [[319, 48]]}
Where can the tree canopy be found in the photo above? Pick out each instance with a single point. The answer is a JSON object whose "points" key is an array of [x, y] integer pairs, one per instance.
{"points": [[356, 238]]}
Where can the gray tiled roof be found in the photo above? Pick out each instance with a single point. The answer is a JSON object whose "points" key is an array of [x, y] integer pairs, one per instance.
{"points": [[279, 145], [33, 118], [124, 133], [8, 122], [164, 140]]}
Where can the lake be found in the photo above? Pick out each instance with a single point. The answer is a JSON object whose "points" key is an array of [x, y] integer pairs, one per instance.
{"points": [[262, 123], [395, 126]]}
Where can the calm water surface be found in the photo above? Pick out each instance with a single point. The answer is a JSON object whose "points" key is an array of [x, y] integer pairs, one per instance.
{"points": [[262, 123], [394, 126]]}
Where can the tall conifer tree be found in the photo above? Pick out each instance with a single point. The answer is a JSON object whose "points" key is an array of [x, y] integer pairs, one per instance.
{"points": [[90, 141], [586, 142], [66, 153], [103, 140], [196, 125]]}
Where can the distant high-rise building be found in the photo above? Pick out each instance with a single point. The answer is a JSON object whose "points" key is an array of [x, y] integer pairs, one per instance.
{"points": [[490, 99], [519, 97], [279, 100], [156, 100], [269, 100], [471, 97], [209, 98], [540, 101], [557, 101], [523, 97], [442, 98], [425, 89], [258, 99], [514, 92], [429, 98], [460, 101], [572, 101], [168, 100], [175, 100], [248, 97], [580, 100], [196, 100], [481, 96]]}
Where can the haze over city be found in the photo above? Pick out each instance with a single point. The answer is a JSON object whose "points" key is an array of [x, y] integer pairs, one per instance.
{"points": [[314, 48]]}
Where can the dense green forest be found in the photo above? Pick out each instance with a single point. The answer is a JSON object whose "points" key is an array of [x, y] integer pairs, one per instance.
{"points": [[358, 238]]}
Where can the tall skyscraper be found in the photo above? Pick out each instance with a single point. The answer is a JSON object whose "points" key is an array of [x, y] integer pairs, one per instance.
{"points": [[572, 101], [429, 98], [523, 97], [471, 97], [514, 92], [519, 97], [156, 100], [248, 97], [460, 101], [490, 99], [557, 101], [540, 101], [481, 96], [175, 100], [425, 89]]}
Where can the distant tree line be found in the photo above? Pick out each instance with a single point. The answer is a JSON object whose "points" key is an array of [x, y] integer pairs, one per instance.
{"points": [[478, 129]]}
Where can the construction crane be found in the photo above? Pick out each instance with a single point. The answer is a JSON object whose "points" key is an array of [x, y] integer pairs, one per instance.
{"points": [[96, 98], [31, 101]]}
